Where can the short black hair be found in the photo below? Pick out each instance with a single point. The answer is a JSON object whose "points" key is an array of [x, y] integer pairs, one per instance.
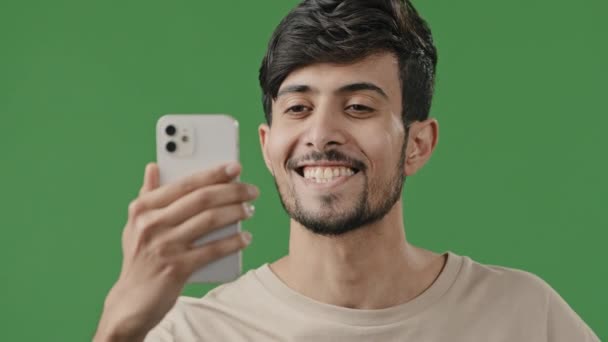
{"points": [[345, 31]]}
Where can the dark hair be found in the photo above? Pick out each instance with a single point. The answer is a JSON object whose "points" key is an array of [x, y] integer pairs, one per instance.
{"points": [[345, 31]]}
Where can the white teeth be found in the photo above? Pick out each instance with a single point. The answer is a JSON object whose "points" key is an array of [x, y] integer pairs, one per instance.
{"points": [[319, 173], [326, 174]]}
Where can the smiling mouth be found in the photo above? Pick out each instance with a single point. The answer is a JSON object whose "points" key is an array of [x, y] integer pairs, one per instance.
{"points": [[325, 174]]}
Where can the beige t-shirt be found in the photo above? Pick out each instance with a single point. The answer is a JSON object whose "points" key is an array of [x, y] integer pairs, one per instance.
{"points": [[467, 302]]}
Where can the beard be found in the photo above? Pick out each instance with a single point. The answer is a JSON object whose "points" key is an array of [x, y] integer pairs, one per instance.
{"points": [[337, 219]]}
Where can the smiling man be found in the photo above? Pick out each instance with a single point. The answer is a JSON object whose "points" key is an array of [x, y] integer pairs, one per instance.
{"points": [[347, 88], [337, 148], [337, 144]]}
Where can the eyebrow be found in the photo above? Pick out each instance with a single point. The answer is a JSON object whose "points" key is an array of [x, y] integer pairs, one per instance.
{"points": [[349, 88], [298, 88]]}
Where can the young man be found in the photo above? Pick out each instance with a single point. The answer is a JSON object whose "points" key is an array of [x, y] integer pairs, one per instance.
{"points": [[347, 91]]}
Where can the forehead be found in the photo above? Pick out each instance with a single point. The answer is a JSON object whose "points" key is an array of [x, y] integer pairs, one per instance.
{"points": [[381, 70]]}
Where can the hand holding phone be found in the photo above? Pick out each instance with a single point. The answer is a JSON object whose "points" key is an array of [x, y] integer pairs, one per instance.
{"points": [[186, 144], [160, 249]]}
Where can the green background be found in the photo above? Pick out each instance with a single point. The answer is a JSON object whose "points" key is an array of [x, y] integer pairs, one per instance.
{"points": [[518, 178]]}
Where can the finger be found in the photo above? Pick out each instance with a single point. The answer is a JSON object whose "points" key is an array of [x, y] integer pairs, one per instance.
{"points": [[185, 221], [206, 198], [167, 194], [210, 220], [205, 254], [151, 178]]}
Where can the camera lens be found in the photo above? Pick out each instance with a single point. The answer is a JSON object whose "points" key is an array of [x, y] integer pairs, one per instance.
{"points": [[171, 146], [170, 130]]}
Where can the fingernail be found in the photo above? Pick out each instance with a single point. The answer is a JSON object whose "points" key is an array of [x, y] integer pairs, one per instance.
{"points": [[246, 236], [249, 209], [232, 169], [253, 191]]}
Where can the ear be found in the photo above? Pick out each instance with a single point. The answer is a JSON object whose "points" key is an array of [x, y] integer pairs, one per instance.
{"points": [[422, 139], [264, 134]]}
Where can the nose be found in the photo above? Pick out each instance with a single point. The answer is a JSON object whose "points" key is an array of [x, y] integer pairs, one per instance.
{"points": [[325, 130]]}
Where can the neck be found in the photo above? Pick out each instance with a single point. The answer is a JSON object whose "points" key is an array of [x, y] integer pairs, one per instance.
{"points": [[372, 267]]}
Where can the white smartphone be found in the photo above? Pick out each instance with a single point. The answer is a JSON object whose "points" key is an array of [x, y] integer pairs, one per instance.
{"points": [[190, 143]]}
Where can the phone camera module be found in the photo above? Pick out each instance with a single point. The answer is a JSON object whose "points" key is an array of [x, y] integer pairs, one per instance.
{"points": [[170, 130], [171, 146]]}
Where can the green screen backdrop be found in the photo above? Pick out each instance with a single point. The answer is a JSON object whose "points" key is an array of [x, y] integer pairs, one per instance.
{"points": [[518, 178]]}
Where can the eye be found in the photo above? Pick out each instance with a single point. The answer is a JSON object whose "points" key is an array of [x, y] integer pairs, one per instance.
{"points": [[359, 109], [297, 109]]}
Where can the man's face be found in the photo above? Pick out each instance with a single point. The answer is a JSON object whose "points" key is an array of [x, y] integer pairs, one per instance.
{"points": [[336, 147]]}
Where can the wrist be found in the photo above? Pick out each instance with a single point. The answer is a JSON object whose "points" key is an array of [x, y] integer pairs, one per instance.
{"points": [[114, 332], [116, 336]]}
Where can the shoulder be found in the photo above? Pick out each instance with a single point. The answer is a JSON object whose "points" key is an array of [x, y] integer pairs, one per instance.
{"points": [[502, 281], [499, 288], [224, 297], [523, 296], [192, 317], [507, 279]]}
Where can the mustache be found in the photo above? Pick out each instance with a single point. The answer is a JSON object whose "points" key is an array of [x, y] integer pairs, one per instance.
{"points": [[330, 155]]}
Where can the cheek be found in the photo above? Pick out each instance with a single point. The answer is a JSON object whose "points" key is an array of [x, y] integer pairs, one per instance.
{"points": [[381, 144], [279, 145]]}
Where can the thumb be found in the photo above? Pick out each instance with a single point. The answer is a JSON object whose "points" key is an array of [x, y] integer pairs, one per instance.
{"points": [[151, 178]]}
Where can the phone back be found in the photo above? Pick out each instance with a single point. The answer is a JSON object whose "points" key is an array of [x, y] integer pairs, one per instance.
{"points": [[190, 143]]}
